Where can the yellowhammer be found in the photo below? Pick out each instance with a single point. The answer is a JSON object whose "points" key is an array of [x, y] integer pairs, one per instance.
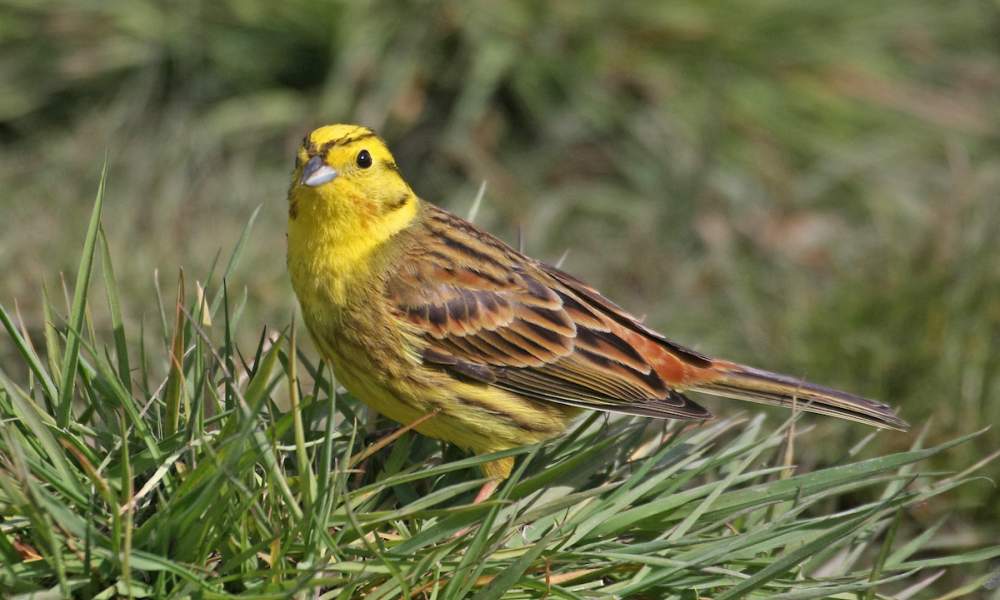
{"points": [[422, 312]]}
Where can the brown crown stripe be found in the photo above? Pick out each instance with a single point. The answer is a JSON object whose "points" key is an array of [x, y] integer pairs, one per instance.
{"points": [[346, 140]]}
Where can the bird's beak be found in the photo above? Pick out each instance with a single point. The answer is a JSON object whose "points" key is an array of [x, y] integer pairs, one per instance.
{"points": [[317, 172]]}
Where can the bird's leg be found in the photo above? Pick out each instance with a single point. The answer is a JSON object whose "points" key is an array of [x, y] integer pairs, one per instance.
{"points": [[486, 491], [497, 471]]}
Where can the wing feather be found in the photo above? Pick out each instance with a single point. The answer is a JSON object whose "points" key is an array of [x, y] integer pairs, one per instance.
{"points": [[490, 314]]}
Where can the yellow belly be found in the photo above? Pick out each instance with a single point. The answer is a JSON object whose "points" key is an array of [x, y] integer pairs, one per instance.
{"points": [[379, 363], [473, 416]]}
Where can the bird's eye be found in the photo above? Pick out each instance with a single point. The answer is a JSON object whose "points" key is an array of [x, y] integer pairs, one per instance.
{"points": [[364, 159]]}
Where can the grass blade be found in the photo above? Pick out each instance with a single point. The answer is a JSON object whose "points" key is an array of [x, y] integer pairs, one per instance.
{"points": [[30, 357], [77, 313], [114, 305]]}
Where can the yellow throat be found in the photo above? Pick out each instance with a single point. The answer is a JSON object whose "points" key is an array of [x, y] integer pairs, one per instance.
{"points": [[347, 198]]}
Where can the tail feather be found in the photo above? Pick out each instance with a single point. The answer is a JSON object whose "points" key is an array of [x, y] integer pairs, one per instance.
{"points": [[755, 385]]}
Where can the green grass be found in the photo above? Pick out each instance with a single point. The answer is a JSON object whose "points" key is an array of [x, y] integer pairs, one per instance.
{"points": [[809, 187], [180, 473], [814, 183]]}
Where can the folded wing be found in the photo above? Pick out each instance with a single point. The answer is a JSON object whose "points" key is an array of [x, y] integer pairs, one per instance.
{"points": [[488, 313]]}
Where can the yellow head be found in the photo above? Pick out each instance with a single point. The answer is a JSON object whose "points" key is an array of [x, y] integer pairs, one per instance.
{"points": [[347, 199], [347, 193]]}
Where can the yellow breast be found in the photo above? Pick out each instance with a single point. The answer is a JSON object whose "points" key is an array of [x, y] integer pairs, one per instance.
{"points": [[338, 260]]}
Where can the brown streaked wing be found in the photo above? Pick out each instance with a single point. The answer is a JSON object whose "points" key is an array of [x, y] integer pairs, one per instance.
{"points": [[490, 314], [623, 318]]}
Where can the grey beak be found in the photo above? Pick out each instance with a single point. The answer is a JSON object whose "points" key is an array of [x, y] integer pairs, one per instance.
{"points": [[317, 172]]}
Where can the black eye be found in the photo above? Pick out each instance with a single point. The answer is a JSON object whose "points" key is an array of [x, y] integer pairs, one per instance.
{"points": [[364, 159]]}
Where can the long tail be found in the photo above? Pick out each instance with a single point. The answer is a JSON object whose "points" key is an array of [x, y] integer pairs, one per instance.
{"points": [[755, 385]]}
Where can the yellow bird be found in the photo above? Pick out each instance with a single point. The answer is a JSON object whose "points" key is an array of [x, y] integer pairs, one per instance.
{"points": [[421, 312]]}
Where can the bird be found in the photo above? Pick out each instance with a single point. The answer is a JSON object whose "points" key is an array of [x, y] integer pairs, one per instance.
{"points": [[429, 319]]}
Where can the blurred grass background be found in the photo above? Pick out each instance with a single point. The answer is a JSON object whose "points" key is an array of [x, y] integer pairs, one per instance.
{"points": [[809, 187]]}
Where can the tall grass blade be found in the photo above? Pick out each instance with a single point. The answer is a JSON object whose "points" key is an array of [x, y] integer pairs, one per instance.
{"points": [[175, 378], [77, 313], [115, 308], [30, 357]]}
